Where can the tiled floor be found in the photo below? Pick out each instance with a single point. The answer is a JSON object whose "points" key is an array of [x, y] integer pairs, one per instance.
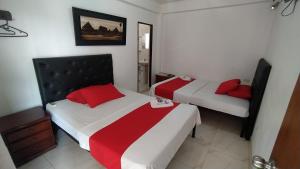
{"points": [[217, 146]]}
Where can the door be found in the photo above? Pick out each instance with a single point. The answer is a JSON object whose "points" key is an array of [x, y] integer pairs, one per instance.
{"points": [[144, 56], [286, 152]]}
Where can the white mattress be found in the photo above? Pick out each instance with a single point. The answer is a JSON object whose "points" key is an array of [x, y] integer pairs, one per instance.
{"points": [[207, 98], [202, 93], [154, 150]]}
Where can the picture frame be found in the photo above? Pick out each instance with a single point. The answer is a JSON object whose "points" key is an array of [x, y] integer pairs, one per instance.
{"points": [[94, 28]]}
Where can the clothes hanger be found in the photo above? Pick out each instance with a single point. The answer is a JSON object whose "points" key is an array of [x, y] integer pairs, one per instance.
{"points": [[9, 31]]}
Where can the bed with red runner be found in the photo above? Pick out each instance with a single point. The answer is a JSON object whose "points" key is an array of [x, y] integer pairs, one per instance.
{"points": [[127, 133], [125, 130]]}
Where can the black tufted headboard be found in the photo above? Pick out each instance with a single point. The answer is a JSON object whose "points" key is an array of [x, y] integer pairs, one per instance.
{"points": [[59, 76], [259, 84]]}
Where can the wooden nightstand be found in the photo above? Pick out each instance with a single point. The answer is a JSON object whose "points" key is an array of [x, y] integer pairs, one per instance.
{"points": [[162, 76], [27, 134]]}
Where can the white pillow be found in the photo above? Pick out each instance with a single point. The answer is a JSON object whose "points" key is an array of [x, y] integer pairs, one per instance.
{"points": [[185, 77]]}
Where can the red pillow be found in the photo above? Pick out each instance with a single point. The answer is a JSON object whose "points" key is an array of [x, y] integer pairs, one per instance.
{"points": [[76, 96], [96, 95], [243, 91], [227, 86]]}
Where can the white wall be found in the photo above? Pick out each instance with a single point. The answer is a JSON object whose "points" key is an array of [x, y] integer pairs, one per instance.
{"points": [[3, 101], [283, 54], [214, 40], [51, 34], [4, 106], [5, 159], [149, 5]]}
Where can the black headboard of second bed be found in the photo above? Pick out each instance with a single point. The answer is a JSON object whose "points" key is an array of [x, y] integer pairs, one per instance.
{"points": [[58, 76], [259, 84]]}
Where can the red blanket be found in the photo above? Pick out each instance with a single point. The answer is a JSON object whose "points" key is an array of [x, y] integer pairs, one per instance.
{"points": [[108, 144], [166, 90]]}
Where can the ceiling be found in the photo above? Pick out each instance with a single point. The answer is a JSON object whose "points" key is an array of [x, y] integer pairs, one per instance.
{"points": [[166, 1]]}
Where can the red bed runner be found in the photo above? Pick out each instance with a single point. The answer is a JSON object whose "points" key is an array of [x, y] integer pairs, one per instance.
{"points": [[166, 90], [108, 144]]}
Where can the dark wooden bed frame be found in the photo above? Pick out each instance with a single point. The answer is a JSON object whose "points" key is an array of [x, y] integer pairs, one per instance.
{"points": [[59, 76]]}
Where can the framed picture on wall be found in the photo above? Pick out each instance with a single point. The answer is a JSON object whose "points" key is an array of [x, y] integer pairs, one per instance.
{"points": [[93, 28]]}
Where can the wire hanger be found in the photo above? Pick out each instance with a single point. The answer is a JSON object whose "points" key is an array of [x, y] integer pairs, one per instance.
{"points": [[9, 31], [294, 2]]}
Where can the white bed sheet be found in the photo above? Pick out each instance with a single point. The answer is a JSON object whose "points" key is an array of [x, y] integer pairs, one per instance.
{"points": [[154, 150], [207, 98], [202, 93]]}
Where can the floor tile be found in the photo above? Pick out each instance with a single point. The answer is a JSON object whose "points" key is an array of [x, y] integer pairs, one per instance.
{"points": [[95, 165], [205, 133], [37, 163], [232, 143], [236, 164], [174, 164], [191, 153], [63, 139], [215, 160], [224, 139], [69, 157], [240, 148]]}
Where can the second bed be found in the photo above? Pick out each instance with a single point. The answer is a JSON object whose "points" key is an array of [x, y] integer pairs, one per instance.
{"points": [[202, 93]]}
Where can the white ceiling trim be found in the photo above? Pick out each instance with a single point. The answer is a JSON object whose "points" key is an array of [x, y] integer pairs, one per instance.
{"points": [[181, 6], [166, 1], [189, 6], [150, 6]]}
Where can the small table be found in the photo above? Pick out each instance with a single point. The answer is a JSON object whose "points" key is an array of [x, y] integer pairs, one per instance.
{"points": [[27, 134], [163, 76]]}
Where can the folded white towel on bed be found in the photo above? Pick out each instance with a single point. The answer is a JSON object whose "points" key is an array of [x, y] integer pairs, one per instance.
{"points": [[185, 78], [160, 103]]}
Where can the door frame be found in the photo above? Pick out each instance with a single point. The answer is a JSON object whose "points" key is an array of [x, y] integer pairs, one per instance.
{"points": [[150, 53]]}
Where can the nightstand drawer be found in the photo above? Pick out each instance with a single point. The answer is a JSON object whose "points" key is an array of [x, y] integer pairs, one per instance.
{"points": [[27, 134], [30, 152], [32, 140], [11, 137]]}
